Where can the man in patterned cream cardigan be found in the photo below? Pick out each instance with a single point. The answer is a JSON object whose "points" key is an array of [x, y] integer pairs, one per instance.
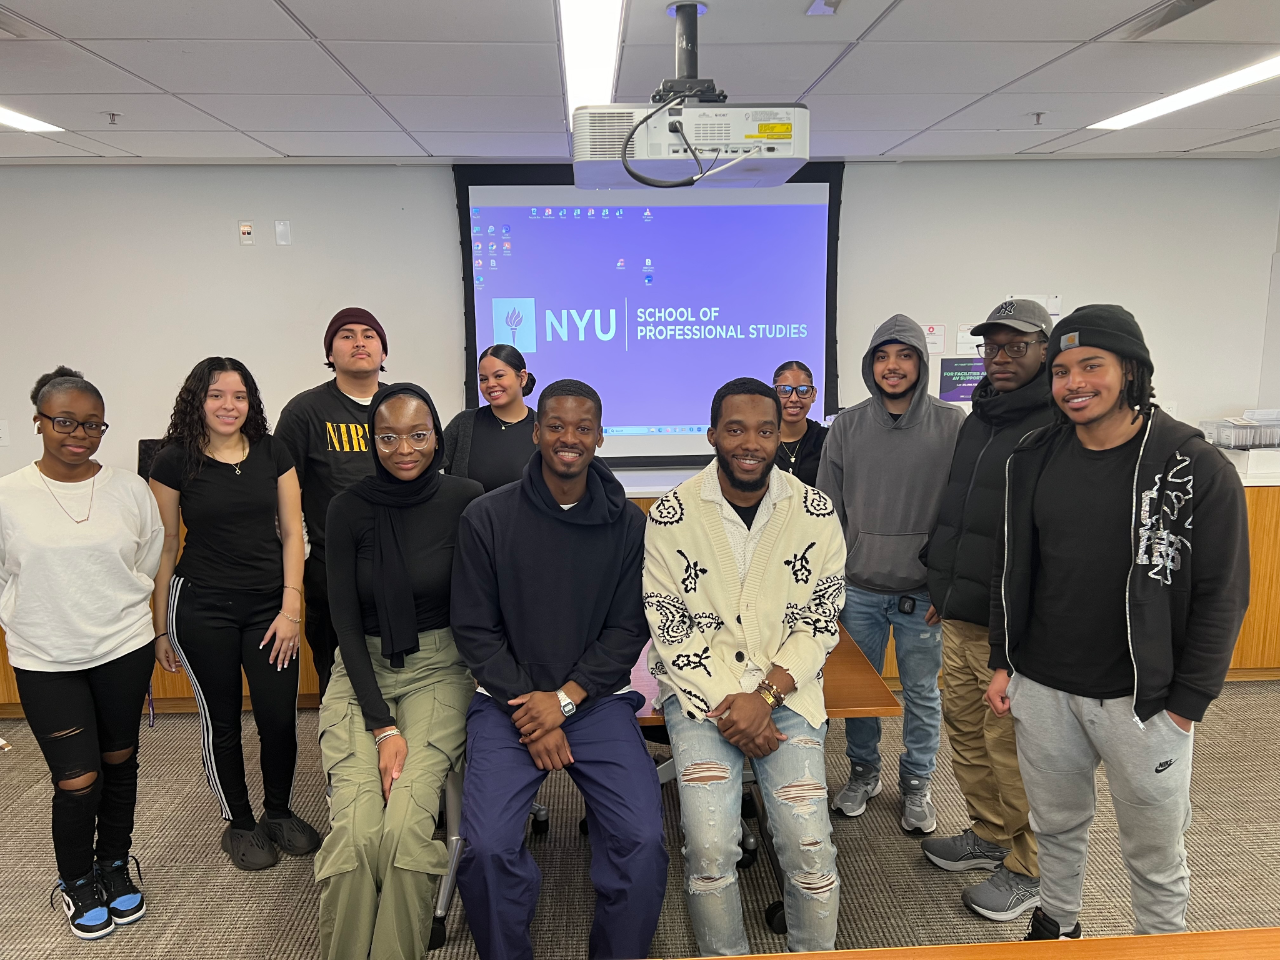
{"points": [[744, 581]]}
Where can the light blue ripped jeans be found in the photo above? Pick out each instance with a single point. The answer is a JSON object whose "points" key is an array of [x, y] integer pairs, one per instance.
{"points": [[793, 782]]}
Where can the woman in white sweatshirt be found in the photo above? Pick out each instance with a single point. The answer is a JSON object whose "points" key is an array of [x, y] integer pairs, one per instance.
{"points": [[79, 549]]}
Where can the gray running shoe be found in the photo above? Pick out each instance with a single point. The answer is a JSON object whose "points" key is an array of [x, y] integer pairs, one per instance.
{"points": [[1004, 895], [968, 851], [918, 814], [864, 783]]}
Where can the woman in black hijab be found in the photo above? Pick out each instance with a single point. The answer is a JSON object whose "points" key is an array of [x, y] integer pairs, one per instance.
{"points": [[393, 720]]}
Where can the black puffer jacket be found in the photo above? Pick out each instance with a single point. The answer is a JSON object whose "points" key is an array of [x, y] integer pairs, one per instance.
{"points": [[962, 548]]}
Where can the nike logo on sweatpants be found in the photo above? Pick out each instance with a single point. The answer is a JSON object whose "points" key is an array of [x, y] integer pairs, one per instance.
{"points": [[1162, 767]]}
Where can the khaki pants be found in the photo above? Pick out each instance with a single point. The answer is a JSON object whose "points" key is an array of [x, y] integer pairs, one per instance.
{"points": [[984, 753], [379, 866]]}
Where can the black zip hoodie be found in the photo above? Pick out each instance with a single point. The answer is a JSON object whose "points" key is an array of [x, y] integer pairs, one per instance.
{"points": [[542, 595], [1188, 584], [962, 548]]}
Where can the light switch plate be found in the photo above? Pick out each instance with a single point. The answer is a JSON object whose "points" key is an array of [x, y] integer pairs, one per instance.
{"points": [[246, 233], [284, 237]]}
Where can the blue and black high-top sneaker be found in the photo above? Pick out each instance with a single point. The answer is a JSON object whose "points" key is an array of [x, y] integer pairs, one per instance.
{"points": [[123, 899], [82, 900]]}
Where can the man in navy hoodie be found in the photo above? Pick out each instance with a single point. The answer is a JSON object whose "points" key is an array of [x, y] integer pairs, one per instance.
{"points": [[547, 609]]}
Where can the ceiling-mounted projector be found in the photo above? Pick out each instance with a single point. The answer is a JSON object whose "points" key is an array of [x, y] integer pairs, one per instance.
{"points": [[689, 135]]}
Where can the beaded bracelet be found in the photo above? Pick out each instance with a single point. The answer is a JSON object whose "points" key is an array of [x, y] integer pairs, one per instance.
{"points": [[775, 693]]}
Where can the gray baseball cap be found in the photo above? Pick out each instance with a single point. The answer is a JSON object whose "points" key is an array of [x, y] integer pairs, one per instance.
{"points": [[1025, 316]]}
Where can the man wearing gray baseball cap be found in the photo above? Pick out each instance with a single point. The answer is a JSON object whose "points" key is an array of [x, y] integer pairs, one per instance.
{"points": [[1011, 400]]}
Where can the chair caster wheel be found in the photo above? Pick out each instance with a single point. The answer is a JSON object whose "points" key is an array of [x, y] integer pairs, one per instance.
{"points": [[582, 827], [747, 859], [541, 827], [437, 934], [776, 917]]}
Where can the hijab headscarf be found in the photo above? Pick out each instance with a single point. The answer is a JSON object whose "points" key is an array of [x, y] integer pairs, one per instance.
{"points": [[390, 497]]}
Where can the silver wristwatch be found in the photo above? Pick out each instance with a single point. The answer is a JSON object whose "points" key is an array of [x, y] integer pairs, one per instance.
{"points": [[567, 706]]}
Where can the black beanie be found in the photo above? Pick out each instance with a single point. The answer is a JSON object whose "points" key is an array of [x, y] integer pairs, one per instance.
{"points": [[1102, 325]]}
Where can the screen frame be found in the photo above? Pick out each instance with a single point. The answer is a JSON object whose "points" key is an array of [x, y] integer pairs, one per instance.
{"points": [[467, 175]]}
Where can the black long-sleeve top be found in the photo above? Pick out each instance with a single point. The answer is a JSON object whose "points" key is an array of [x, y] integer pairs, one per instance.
{"points": [[432, 530], [543, 595]]}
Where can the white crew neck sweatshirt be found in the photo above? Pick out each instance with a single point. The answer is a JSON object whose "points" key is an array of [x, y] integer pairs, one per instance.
{"points": [[76, 595]]}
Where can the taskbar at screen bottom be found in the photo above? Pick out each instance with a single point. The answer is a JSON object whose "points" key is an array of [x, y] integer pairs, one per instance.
{"points": [[697, 429]]}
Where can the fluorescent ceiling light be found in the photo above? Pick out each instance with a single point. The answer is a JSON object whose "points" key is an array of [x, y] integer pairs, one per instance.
{"points": [[29, 124], [589, 35], [1267, 70]]}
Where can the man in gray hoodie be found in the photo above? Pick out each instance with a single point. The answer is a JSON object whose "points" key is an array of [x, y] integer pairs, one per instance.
{"points": [[885, 465]]}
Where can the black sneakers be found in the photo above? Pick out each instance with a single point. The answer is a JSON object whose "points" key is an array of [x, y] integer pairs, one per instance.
{"points": [[1044, 927], [293, 835], [250, 849], [82, 900], [123, 899]]}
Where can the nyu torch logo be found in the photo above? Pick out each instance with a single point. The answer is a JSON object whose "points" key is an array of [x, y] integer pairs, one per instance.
{"points": [[514, 322]]}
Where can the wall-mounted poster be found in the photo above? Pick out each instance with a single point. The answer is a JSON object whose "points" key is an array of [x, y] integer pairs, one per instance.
{"points": [[959, 376]]}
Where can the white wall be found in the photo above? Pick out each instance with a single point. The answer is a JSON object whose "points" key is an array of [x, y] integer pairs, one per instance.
{"points": [[133, 274], [1186, 245]]}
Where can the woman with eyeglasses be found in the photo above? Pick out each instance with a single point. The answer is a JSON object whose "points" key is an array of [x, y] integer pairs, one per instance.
{"points": [[493, 443], [393, 720], [234, 600], [801, 439], [79, 548]]}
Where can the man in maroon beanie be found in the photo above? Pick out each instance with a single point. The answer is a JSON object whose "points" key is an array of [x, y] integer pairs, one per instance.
{"points": [[325, 431]]}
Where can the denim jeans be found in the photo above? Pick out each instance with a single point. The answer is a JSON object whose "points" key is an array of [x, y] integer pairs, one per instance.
{"points": [[793, 783], [867, 616]]}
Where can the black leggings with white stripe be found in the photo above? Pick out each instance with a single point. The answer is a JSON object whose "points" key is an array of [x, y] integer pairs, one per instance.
{"points": [[216, 633]]}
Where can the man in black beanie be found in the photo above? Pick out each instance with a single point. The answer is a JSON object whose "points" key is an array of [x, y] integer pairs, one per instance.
{"points": [[1107, 641], [325, 429]]}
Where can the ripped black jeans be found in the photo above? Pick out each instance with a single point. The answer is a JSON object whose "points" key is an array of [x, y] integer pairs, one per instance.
{"points": [[83, 720]]}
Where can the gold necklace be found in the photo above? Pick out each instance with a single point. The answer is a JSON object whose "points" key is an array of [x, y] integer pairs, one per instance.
{"points": [[505, 423], [92, 487], [243, 457], [791, 453]]}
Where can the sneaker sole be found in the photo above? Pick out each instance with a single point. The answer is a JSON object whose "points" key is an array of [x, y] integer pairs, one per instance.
{"points": [[958, 866], [862, 809], [226, 848], [918, 829], [1004, 916], [86, 935], [132, 918]]}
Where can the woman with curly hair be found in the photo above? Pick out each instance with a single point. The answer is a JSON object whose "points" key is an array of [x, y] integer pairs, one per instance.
{"points": [[234, 600]]}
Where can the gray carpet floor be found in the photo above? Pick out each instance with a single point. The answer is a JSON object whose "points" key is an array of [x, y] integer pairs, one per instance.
{"points": [[199, 906]]}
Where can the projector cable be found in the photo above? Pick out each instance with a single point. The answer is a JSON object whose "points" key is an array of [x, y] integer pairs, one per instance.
{"points": [[676, 126]]}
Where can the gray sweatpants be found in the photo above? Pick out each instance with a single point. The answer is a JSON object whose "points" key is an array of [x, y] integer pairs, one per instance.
{"points": [[1061, 739]]}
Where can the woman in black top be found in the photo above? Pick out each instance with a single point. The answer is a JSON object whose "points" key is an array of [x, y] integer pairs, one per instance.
{"points": [[393, 720], [233, 601], [493, 444], [801, 439]]}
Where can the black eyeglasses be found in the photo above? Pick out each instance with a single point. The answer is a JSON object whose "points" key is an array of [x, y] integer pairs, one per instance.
{"points": [[1014, 350], [66, 425], [804, 391]]}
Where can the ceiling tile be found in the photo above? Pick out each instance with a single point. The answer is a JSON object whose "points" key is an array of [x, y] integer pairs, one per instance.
{"points": [[1145, 140], [882, 111], [135, 111], [1239, 21], [295, 111], [54, 66], [229, 66], [786, 69], [1013, 111], [441, 20], [854, 143], [34, 145], [1256, 143], [1064, 141], [517, 114], [1232, 112], [459, 69], [962, 67], [749, 21], [185, 144], [1004, 20], [181, 19], [496, 144], [87, 143], [1141, 67], [972, 143], [297, 144]]}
